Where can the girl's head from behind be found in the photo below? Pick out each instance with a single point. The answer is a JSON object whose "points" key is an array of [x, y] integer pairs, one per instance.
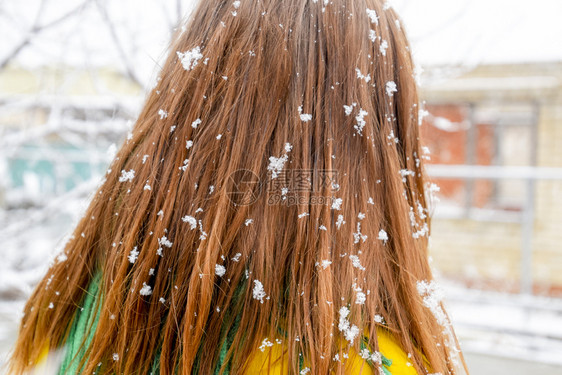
{"points": [[274, 180]]}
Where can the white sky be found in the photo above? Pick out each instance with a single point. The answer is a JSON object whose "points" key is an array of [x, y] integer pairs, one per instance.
{"points": [[442, 32], [483, 31]]}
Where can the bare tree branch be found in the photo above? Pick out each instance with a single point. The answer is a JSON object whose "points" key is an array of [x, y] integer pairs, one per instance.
{"points": [[14, 52], [36, 28], [125, 59]]}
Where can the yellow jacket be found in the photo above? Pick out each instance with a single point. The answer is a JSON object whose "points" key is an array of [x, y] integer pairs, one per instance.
{"points": [[266, 357], [355, 364], [271, 354]]}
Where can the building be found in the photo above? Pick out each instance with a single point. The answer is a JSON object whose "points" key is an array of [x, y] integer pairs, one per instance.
{"points": [[498, 224]]}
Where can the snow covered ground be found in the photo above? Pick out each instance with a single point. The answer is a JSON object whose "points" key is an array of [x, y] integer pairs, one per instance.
{"points": [[481, 364], [511, 333]]}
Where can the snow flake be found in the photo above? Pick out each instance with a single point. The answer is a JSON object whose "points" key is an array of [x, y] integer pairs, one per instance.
{"points": [[190, 59], [163, 114], [236, 5], [340, 221], [406, 172], [421, 211], [133, 255], [423, 231], [203, 233], [164, 241], [391, 137], [391, 88], [372, 35], [373, 16], [356, 262], [364, 353], [349, 108], [277, 164], [336, 204], [432, 296], [248, 222], [288, 147], [195, 123], [361, 296], [265, 343], [115, 357], [383, 47], [127, 175], [236, 257], [191, 220], [185, 165], [360, 75], [146, 290], [383, 236], [305, 117], [258, 291], [376, 357], [220, 270], [358, 235], [360, 118], [350, 331]]}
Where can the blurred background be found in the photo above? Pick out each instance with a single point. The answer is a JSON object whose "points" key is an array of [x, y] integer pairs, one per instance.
{"points": [[74, 73]]}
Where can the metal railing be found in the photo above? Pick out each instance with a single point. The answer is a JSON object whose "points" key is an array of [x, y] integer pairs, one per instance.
{"points": [[531, 175]]}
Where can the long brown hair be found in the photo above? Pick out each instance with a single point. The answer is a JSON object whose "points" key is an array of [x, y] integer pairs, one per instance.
{"points": [[278, 153]]}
